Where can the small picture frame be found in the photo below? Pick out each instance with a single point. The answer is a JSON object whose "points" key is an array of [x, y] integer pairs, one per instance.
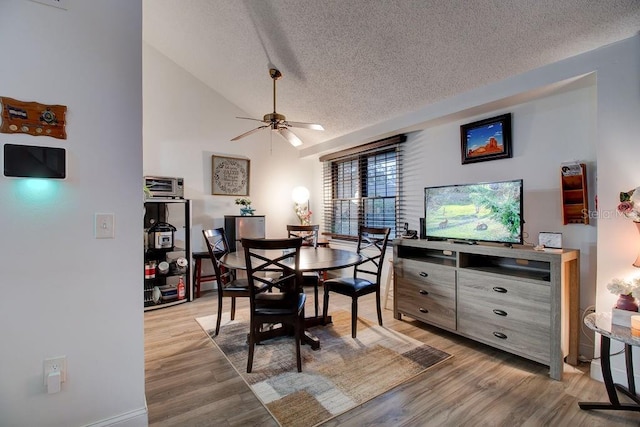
{"points": [[488, 139], [230, 176], [550, 240]]}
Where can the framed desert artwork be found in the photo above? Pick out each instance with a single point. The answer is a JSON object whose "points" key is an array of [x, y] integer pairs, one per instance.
{"points": [[488, 139]]}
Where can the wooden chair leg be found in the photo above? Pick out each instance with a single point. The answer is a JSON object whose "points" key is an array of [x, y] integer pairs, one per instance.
{"points": [[354, 316], [252, 341], [298, 332], [378, 306], [325, 305], [219, 317], [233, 308], [197, 276]]}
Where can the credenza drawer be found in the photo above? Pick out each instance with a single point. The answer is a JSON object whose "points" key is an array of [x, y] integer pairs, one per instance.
{"points": [[426, 292], [527, 296], [424, 273], [510, 314], [430, 302], [533, 343]]}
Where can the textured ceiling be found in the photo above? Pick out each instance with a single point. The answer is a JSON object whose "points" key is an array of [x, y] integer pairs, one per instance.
{"points": [[349, 64]]}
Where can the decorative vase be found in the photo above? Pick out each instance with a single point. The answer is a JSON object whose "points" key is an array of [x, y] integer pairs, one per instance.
{"points": [[248, 211], [636, 263], [627, 302]]}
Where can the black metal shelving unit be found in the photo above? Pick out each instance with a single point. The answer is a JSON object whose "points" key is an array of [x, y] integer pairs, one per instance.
{"points": [[176, 212]]}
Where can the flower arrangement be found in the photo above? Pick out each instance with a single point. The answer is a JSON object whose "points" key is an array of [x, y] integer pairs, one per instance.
{"points": [[303, 213], [627, 291], [630, 204], [243, 201], [625, 287]]}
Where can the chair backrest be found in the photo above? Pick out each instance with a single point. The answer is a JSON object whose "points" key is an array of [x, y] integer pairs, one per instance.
{"points": [[309, 233], [372, 245], [264, 256], [217, 245]]}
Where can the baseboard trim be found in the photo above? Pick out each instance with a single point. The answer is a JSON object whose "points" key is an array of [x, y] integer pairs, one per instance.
{"points": [[136, 418], [619, 375]]}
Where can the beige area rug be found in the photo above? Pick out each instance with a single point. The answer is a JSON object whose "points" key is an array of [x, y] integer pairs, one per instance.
{"points": [[343, 374]]}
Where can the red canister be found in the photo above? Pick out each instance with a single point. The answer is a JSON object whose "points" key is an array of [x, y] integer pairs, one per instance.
{"points": [[149, 271]]}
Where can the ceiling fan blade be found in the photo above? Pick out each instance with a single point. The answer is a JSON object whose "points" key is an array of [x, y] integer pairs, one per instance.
{"points": [[313, 126], [249, 118], [290, 136], [249, 133]]}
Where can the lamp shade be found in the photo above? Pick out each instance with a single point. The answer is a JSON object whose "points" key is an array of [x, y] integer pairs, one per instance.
{"points": [[300, 195]]}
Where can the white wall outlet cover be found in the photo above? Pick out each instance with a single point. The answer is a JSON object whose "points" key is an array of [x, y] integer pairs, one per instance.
{"points": [[61, 4], [53, 365], [104, 227]]}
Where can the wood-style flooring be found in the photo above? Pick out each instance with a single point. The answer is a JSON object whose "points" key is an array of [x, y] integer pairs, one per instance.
{"points": [[190, 383]]}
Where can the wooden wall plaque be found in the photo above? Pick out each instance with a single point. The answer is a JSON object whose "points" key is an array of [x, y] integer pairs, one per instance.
{"points": [[33, 118]]}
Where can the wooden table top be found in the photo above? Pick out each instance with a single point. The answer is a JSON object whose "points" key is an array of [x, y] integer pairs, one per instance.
{"points": [[311, 259]]}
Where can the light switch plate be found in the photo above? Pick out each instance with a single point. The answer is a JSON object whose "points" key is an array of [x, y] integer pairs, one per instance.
{"points": [[105, 226]]}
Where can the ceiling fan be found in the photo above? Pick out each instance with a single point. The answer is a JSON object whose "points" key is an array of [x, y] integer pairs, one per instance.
{"points": [[277, 122]]}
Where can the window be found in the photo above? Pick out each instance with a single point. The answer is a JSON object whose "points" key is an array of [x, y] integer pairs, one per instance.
{"points": [[362, 187]]}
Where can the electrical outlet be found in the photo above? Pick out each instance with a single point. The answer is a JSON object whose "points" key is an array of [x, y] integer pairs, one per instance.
{"points": [[56, 364], [104, 225]]}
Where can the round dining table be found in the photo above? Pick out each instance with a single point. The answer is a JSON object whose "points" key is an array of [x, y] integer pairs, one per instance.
{"points": [[311, 259], [320, 259]]}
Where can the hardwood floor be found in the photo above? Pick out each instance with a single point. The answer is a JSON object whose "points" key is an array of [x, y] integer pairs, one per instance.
{"points": [[190, 383]]}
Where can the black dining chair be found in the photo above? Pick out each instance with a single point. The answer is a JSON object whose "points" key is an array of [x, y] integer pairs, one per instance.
{"points": [[372, 245], [228, 285], [285, 305], [309, 235]]}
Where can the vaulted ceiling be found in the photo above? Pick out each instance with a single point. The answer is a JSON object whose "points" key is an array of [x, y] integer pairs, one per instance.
{"points": [[349, 64]]}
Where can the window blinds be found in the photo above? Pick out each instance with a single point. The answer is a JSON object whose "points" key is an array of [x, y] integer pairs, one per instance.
{"points": [[363, 186]]}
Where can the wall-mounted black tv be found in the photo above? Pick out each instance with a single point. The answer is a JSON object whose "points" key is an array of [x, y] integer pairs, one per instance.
{"points": [[484, 212]]}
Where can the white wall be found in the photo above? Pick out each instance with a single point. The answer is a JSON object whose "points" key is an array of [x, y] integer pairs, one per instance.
{"points": [[64, 292], [185, 123], [617, 151]]}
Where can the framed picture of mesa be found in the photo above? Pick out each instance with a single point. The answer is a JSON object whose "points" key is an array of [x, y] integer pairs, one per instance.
{"points": [[488, 139]]}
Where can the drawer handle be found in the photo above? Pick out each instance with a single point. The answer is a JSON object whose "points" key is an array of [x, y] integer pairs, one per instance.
{"points": [[423, 292], [423, 310], [423, 274], [499, 289], [500, 312], [500, 335]]}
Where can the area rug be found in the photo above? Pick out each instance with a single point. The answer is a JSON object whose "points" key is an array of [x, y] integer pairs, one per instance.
{"points": [[343, 374]]}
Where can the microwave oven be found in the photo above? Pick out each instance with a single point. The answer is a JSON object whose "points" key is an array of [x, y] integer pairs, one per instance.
{"points": [[165, 187]]}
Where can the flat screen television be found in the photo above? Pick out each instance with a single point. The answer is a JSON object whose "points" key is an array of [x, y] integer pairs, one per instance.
{"points": [[482, 212]]}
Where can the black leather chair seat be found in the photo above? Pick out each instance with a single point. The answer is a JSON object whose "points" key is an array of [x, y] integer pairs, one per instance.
{"points": [[350, 286]]}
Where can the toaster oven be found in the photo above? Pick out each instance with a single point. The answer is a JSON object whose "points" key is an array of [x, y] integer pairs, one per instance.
{"points": [[165, 187]]}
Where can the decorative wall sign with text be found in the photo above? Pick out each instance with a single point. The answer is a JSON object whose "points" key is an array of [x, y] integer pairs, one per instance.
{"points": [[230, 176], [33, 118]]}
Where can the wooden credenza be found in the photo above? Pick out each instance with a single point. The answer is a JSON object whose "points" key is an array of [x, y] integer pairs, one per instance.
{"points": [[516, 299]]}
